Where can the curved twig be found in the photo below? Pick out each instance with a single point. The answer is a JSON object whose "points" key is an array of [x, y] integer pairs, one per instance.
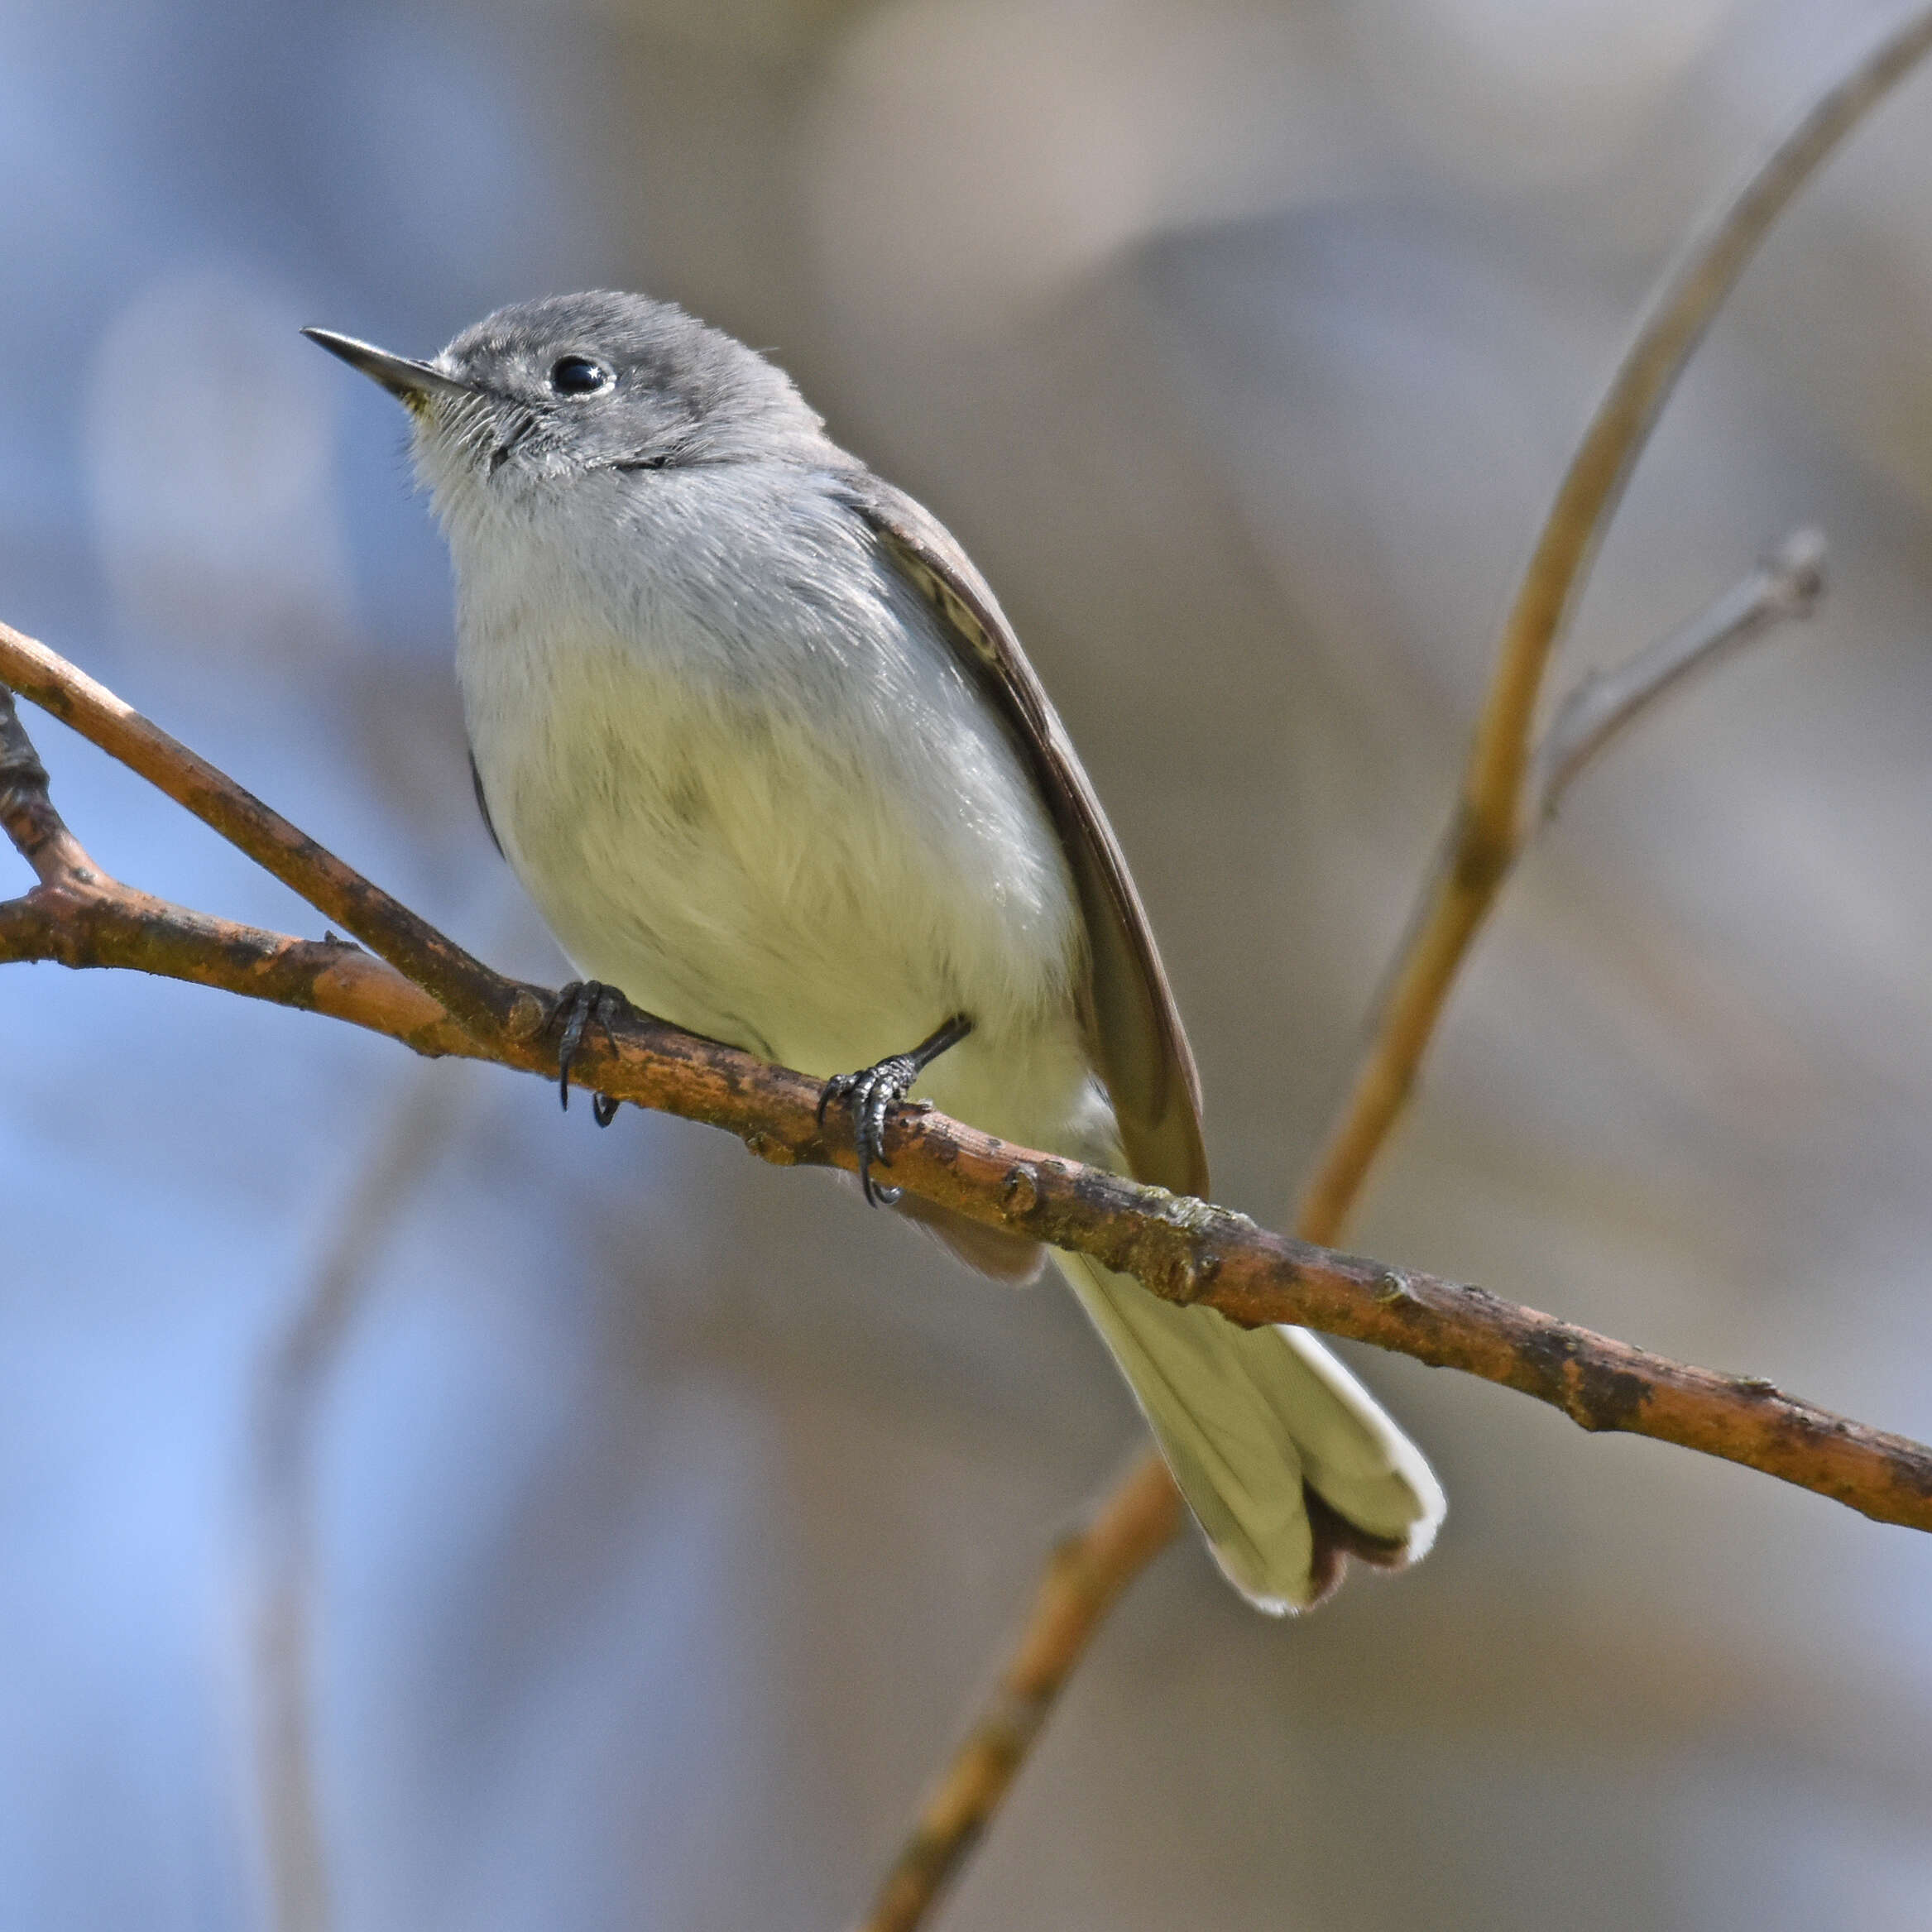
{"points": [[1490, 823], [1476, 856], [1088, 1571]]}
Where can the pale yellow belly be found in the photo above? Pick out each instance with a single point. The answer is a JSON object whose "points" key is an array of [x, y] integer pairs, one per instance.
{"points": [[735, 873]]}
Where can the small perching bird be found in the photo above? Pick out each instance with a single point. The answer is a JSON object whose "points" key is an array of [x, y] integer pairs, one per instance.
{"points": [[754, 735]]}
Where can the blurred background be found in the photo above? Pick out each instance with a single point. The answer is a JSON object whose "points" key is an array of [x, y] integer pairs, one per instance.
{"points": [[666, 1510]]}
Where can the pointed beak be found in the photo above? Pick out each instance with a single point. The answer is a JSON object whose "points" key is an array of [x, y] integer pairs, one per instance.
{"points": [[414, 382]]}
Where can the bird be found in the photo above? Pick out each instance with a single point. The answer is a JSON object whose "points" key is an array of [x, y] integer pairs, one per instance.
{"points": [[757, 739]]}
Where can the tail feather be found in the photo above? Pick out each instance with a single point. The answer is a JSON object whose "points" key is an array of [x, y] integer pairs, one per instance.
{"points": [[1287, 1463]]}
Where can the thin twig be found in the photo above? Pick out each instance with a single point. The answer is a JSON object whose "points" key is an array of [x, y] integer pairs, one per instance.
{"points": [[1475, 857], [1784, 586], [1136, 1520], [1489, 825], [102, 923], [387, 926]]}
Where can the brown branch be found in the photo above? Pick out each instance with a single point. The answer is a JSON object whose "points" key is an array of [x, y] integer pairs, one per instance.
{"points": [[1476, 856], [102, 923], [1186, 1250], [388, 928]]}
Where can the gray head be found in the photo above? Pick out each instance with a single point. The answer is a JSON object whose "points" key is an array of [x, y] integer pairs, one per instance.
{"points": [[543, 394]]}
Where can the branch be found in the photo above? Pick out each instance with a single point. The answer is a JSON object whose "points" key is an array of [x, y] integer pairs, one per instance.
{"points": [[1784, 586], [1088, 1570], [458, 983], [1476, 856], [292, 1383], [1184, 1250], [1490, 823]]}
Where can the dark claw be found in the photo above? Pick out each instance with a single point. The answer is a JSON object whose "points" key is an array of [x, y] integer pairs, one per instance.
{"points": [[879, 1090], [578, 1005], [874, 1091]]}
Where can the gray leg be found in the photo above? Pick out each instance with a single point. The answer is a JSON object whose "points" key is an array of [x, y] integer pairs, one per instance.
{"points": [[873, 1091], [578, 1005]]}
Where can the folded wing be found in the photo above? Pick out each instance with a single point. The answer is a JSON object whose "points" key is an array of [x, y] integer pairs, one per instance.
{"points": [[1287, 1463]]}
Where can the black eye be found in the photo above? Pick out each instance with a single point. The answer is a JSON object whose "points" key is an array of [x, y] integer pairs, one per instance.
{"points": [[579, 375]]}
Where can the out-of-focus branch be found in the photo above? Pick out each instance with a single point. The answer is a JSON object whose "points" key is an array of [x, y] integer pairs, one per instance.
{"points": [[1490, 822], [1088, 1570], [1786, 586], [293, 1383], [1134, 1522], [1476, 856]]}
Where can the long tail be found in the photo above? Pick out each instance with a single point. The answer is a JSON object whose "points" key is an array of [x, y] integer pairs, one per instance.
{"points": [[1288, 1464]]}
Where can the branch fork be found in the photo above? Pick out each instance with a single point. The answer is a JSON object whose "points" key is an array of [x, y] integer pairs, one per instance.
{"points": [[1186, 1250]]}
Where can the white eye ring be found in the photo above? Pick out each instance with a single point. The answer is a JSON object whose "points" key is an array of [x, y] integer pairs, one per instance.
{"points": [[578, 376]]}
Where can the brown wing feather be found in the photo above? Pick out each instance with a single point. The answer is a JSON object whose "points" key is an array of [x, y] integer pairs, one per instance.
{"points": [[1131, 1025]]}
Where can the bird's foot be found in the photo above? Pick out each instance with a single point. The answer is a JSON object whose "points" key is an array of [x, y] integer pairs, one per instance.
{"points": [[873, 1091], [578, 1005]]}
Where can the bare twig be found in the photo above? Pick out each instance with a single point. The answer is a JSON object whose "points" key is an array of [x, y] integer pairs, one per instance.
{"points": [[1184, 1250], [1085, 1576], [1786, 585], [1490, 822], [100, 922], [1475, 858], [384, 925]]}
